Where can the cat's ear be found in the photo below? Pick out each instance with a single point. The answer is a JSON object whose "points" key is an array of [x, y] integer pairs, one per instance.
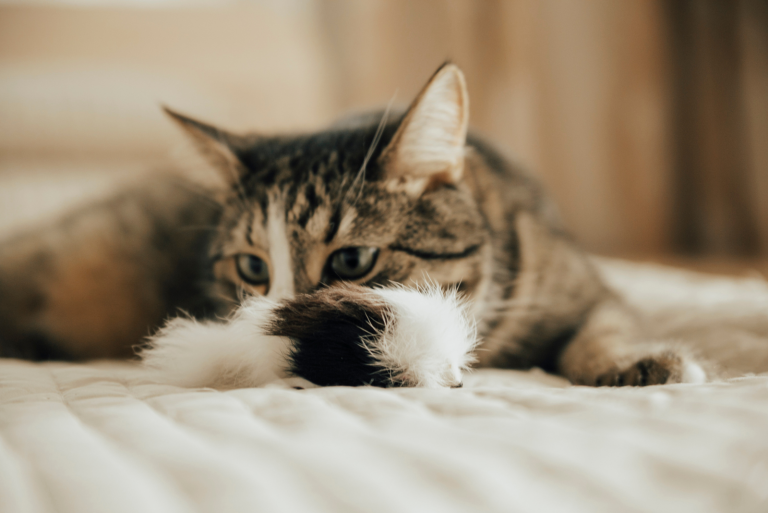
{"points": [[216, 146], [428, 147]]}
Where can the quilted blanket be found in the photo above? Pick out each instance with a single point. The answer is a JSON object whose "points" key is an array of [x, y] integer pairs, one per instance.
{"points": [[101, 437]]}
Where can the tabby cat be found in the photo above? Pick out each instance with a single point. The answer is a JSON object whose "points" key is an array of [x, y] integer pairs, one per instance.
{"points": [[378, 251]]}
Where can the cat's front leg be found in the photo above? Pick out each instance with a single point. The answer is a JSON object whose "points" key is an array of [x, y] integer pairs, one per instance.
{"points": [[609, 350]]}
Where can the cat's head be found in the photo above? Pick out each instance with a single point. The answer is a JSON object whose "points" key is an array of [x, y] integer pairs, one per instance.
{"points": [[381, 199]]}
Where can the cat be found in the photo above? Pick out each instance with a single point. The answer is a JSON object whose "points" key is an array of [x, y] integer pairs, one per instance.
{"points": [[332, 256]]}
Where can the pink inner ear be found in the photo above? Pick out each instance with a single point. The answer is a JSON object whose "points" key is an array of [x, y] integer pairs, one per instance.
{"points": [[439, 179], [430, 142], [213, 145]]}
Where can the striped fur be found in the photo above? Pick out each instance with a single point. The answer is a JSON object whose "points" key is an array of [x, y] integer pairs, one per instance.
{"points": [[435, 205]]}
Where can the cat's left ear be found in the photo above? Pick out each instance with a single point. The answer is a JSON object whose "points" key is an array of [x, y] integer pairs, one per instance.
{"points": [[216, 146], [428, 148]]}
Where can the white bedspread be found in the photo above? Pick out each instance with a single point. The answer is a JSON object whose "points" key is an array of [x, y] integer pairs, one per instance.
{"points": [[101, 438], [97, 438]]}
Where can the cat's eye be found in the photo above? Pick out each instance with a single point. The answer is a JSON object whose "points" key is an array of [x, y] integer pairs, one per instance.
{"points": [[252, 269], [353, 263]]}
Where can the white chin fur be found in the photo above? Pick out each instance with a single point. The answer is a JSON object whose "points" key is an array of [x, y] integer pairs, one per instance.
{"points": [[232, 354], [429, 340]]}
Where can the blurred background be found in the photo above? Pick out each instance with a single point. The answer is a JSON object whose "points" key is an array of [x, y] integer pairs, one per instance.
{"points": [[646, 119]]}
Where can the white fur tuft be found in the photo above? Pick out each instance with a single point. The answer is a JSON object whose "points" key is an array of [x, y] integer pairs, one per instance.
{"points": [[693, 373], [232, 354], [429, 340]]}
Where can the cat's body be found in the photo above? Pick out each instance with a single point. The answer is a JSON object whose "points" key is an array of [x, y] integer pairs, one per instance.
{"points": [[411, 200]]}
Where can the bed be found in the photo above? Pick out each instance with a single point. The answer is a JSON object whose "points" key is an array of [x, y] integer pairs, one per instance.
{"points": [[102, 437]]}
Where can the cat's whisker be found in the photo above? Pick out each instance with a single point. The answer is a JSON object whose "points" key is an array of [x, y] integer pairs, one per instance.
{"points": [[240, 293], [202, 193], [226, 299], [360, 177]]}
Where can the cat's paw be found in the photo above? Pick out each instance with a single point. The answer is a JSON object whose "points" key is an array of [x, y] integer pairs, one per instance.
{"points": [[658, 369]]}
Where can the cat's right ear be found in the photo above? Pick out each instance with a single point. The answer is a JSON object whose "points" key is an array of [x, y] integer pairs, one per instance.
{"points": [[428, 148], [214, 145]]}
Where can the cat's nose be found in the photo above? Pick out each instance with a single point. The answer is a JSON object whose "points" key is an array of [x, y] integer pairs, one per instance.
{"points": [[302, 284]]}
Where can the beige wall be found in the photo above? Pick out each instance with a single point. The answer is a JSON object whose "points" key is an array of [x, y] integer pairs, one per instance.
{"points": [[582, 92]]}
